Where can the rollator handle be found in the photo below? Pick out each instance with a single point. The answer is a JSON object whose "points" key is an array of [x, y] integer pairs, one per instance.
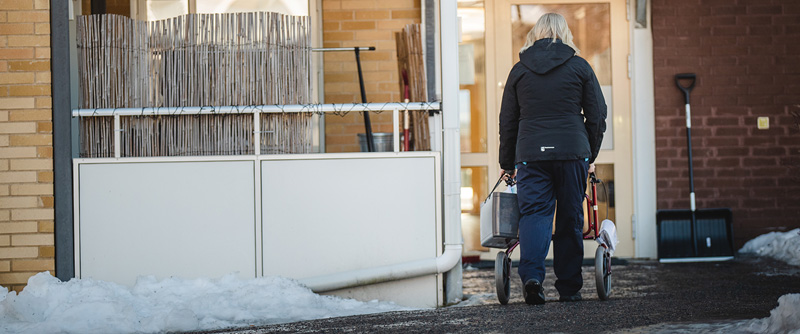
{"points": [[509, 180]]}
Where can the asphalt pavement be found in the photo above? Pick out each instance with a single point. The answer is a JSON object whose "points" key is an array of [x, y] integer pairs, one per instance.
{"points": [[645, 295]]}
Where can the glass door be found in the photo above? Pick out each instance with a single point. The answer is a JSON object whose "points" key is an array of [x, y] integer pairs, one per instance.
{"points": [[476, 151], [600, 30]]}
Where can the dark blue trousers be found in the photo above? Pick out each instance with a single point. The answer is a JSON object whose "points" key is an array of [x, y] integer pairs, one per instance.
{"points": [[540, 184]]}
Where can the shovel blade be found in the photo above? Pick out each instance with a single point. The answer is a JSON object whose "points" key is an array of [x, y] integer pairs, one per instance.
{"points": [[713, 233]]}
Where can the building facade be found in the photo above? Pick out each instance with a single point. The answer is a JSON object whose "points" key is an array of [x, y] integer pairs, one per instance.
{"points": [[743, 52]]}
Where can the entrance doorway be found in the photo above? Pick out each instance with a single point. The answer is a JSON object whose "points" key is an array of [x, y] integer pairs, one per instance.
{"points": [[601, 32]]}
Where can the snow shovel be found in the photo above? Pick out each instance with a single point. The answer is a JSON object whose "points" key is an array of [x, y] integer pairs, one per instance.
{"points": [[367, 123], [693, 235]]}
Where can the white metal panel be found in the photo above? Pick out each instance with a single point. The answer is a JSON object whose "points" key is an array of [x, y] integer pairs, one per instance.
{"points": [[411, 292], [187, 219], [323, 216]]}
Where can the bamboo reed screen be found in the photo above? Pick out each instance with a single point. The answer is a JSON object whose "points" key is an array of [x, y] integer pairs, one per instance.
{"points": [[237, 59], [410, 61]]}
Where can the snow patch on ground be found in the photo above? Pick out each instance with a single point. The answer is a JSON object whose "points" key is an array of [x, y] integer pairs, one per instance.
{"points": [[784, 246], [48, 305], [478, 299]]}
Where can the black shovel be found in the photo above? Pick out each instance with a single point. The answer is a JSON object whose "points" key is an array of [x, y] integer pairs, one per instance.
{"points": [[367, 122], [693, 235]]}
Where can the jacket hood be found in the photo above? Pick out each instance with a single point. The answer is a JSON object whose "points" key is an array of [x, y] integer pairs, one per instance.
{"points": [[545, 55]]}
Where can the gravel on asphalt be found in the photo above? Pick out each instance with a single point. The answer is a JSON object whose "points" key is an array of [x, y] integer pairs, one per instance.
{"points": [[644, 293]]}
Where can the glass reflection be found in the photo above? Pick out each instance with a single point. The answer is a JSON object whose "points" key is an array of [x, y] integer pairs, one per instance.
{"points": [[605, 195], [289, 7], [163, 9], [473, 192], [472, 77]]}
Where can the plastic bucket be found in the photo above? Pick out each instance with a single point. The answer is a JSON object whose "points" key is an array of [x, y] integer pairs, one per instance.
{"points": [[383, 141]]}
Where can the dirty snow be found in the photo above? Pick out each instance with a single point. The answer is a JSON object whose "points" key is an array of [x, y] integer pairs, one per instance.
{"points": [[782, 319], [477, 299], [48, 305], [784, 246]]}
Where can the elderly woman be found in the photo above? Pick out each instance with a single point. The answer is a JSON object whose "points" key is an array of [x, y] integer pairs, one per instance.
{"points": [[552, 121]]}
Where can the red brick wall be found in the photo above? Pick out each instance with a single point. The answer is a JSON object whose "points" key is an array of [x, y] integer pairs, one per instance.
{"points": [[747, 59]]}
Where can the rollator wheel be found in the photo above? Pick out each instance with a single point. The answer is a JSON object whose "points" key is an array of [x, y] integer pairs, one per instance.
{"points": [[602, 272], [502, 276]]}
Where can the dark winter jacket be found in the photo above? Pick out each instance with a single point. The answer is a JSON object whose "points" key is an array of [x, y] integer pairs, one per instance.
{"points": [[540, 116]]}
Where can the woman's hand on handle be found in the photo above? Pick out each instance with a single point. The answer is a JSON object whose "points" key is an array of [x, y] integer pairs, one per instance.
{"points": [[591, 168], [505, 175]]}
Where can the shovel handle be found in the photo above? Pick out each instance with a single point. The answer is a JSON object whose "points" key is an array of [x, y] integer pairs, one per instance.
{"points": [[685, 89], [691, 78]]}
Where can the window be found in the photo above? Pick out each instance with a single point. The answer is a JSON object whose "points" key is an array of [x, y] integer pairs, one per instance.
{"points": [[162, 9]]}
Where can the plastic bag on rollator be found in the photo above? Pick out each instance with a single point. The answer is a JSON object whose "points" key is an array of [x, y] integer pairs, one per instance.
{"points": [[511, 189], [608, 235]]}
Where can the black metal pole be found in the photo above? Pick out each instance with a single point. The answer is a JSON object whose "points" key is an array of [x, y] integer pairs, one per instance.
{"points": [[691, 188], [62, 140], [686, 92], [367, 123], [689, 148], [99, 7]]}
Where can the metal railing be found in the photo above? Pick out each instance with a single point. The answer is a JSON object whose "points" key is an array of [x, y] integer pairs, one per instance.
{"points": [[256, 111]]}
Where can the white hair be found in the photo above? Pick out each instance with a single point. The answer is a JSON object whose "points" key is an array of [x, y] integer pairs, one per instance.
{"points": [[550, 25]]}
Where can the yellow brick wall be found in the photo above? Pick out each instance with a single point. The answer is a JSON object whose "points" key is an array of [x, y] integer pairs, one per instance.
{"points": [[348, 23], [26, 144]]}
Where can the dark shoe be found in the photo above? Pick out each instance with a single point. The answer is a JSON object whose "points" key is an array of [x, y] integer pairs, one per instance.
{"points": [[533, 292], [574, 298]]}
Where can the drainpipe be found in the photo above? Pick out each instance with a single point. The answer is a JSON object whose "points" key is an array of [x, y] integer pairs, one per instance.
{"points": [[451, 152], [451, 156], [441, 264]]}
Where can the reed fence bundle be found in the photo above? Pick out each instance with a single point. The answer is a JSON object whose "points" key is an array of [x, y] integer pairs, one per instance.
{"points": [[234, 59], [410, 61], [97, 137]]}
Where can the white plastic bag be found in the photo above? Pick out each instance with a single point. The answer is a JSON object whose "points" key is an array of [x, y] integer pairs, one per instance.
{"points": [[608, 235], [511, 189]]}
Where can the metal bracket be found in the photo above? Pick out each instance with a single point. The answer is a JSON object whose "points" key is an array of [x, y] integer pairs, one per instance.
{"points": [[628, 10], [630, 66]]}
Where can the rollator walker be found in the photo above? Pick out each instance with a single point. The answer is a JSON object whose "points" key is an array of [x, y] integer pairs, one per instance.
{"points": [[500, 229]]}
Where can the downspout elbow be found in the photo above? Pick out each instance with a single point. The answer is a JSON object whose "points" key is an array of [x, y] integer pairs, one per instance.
{"points": [[448, 259]]}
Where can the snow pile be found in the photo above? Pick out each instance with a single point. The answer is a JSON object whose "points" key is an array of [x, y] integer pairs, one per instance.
{"points": [[784, 246], [782, 319], [48, 305]]}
